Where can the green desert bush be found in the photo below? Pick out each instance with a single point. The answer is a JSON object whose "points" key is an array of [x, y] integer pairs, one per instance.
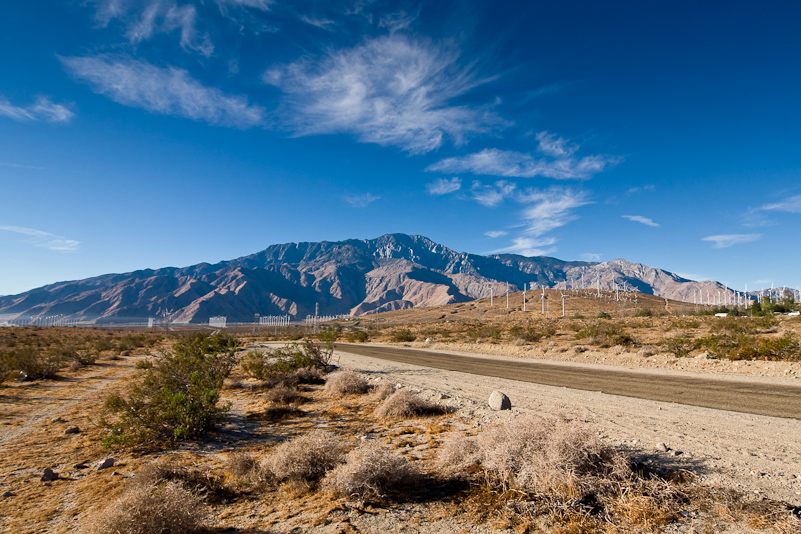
{"points": [[306, 458], [369, 471], [357, 336], [752, 347], [329, 335], [678, 345], [346, 383], [255, 364], [33, 362], [403, 336], [177, 396], [605, 334]]}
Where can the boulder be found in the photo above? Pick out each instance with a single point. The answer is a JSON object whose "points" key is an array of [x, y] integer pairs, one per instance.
{"points": [[72, 430], [499, 401]]}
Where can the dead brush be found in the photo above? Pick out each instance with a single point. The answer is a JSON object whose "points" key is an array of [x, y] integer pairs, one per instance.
{"points": [[284, 394], [243, 470], [560, 468], [403, 404], [160, 498], [306, 457], [382, 390], [197, 481], [346, 383], [370, 471]]}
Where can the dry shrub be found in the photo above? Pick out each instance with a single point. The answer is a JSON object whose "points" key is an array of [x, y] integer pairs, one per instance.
{"points": [[284, 394], [345, 383], [459, 453], [243, 469], [151, 509], [383, 390], [403, 404], [369, 471], [197, 481], [306, 457], [308, 375]]}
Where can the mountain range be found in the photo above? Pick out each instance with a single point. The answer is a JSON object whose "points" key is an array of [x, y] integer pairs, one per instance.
{"points": [[352, 277]]}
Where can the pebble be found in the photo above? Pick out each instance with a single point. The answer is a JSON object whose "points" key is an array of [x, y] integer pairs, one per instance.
{"points": [[49, 475], [8, 494], [72, 430]]}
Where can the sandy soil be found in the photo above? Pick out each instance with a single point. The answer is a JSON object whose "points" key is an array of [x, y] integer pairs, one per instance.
{"points": [[753, 453]]}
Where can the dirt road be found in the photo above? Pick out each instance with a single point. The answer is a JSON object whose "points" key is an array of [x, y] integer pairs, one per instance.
{"points": [[745, 397]]}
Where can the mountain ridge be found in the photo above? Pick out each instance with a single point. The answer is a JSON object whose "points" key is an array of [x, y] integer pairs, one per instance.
{"points": [[350, 277]]}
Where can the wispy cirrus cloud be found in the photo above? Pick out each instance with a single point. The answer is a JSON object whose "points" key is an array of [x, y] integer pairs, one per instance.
{"points": [[44, 239], [393, 90], [791, 205], [640, 219], [168, 91], [361, 201], [590, 256], [145, 19], [496, 233], [546, 211], [728, 240], [443, 186], [557, 161], [43, 110], [492, 195]]}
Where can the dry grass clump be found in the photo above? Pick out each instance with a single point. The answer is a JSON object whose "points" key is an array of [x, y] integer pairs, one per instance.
{"points": [[243, 469], [383, 390], [369, 471], [561, 468], [150, 507], [284, 394], [404, 403], [306, 457], [346, 383]]}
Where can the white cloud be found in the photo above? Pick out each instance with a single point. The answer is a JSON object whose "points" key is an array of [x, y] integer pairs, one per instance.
{"points": [[590, 256], [551, 209], [263, 5], [492, 195], [728, 240], [640, 219], [324, 24], [168, 91], [143, 20], [496, 233], [791, 205], [42, 110], [44, 239], [396, 21], [547, 210], [391, 90], [361, 201], [443, 186], [558, 162]]}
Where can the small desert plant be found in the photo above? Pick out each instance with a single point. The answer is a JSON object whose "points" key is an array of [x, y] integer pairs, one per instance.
{"points": [[33, 362], [177, 396], [603, 315], [308, 355], [159, 499], [644, 312], [402, 336], [306, 457], [243, 469], [255, 365], [167, 507], [605, 334], [329, 335], [346, 383], [357, 336], [403, 403], [284, 394], [369, 471], [383, 390], [679, 346]]}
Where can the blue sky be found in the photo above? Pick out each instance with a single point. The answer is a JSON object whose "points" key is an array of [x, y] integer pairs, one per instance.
{"points": [[150, 133]]}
